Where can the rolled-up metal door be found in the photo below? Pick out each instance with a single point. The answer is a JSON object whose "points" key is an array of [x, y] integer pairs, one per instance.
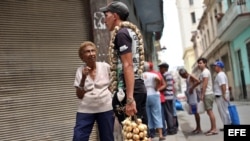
{"points": [[39, 41]]}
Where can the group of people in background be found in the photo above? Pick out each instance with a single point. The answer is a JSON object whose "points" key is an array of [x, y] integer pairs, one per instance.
{"points": [[150, 95], [160, 104], [210, 91]]}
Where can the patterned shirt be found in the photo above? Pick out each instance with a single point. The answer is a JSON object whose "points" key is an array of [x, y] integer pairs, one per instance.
{"points": [[169, 93]]}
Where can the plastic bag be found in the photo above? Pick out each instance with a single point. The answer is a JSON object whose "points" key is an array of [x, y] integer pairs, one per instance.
{"points": [[178, 105], [201, 107], [233, 114]]}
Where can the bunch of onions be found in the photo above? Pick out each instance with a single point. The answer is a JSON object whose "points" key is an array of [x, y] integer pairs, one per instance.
{"points": [[134, 130]]}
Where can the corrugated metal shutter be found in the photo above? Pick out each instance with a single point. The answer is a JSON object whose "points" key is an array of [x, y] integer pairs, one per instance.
{"points": [[39, 41]]}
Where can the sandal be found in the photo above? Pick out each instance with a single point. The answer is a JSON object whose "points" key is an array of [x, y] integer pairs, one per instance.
{"points": [[211, 133], [162, 139], [196, 131], [208, 131]]}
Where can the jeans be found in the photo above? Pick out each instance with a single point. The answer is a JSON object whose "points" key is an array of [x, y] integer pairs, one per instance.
{"points": [[85, 123], [169, 116]]}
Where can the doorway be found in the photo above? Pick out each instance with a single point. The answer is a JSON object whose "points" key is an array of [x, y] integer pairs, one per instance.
{"points": [[243, 84]]}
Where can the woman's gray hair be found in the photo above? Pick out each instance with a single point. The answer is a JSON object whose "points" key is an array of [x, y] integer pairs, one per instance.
{"points": [[182, 71]]}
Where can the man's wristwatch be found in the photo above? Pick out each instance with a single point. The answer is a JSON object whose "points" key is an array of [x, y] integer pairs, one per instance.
{"points": [[129, 101]]}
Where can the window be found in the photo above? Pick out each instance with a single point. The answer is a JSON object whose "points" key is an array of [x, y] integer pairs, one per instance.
{"points": [[191, 2], [205, 43], [193, 17], [225, 60], [248, 53], [208, 37], [212, 26]]}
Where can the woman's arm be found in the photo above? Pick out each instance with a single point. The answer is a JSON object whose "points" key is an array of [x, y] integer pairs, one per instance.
{"points": [[157, 83], [163, 86], [80, 89]]}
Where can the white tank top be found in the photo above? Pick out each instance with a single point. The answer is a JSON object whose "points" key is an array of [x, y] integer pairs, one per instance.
{"points": [[149, 81]]}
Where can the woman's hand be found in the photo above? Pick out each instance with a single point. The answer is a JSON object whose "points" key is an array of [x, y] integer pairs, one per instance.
{"points": [[85, 71]]}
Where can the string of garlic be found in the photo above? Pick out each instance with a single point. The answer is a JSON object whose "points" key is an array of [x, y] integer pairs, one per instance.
{"points": [[113, 57]]}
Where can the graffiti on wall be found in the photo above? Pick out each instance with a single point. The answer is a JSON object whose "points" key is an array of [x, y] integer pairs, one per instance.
{"points": [[99, 20]]}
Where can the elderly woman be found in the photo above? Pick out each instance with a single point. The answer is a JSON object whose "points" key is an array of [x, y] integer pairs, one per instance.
{"points": [[95, 100]]}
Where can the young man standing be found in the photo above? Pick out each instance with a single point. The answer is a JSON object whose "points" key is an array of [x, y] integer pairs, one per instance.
{"points": [[126, 51], [207, 95], [221, 92]]}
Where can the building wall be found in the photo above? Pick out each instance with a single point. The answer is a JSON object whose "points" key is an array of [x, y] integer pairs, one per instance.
{"points": [[239, 44], [189, 58], [186, 25]]}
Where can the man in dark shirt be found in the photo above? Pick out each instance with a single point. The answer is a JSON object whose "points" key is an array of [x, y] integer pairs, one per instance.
{"points": [[126, 50]]}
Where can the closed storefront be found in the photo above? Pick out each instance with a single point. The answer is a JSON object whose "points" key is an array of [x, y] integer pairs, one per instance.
{"points": [[39, 41]]}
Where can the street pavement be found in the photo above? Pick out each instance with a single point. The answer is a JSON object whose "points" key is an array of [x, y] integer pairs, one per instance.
{"points": [[187, 124]]}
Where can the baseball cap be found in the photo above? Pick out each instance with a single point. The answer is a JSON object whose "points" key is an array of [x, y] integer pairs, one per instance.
{"points": [[116, 7], [219, 64], [164, 65]]}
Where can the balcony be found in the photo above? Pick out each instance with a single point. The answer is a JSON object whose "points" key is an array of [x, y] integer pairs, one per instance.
{"points": [[233, 22]]}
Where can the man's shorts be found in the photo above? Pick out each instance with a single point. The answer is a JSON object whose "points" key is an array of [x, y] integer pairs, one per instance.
{"points": [[208, 101]]}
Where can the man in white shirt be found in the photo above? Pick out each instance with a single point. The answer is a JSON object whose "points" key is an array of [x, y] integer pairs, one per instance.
{"points": [[221, 92], [207, 95]]}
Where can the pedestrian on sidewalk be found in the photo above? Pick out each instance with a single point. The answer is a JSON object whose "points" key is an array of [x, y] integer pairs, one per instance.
{"points": [[192, 97], [153, 105], [221, 92], [162, 99], [92, 80], [126, 60], [207, 95], [169, 96]]}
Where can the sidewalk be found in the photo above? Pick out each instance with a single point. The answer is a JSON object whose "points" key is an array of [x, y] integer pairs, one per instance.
{"points": [[177, 137], [187, 123]]}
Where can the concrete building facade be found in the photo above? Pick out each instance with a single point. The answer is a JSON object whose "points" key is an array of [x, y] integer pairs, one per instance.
{"points": [[189, 12]]}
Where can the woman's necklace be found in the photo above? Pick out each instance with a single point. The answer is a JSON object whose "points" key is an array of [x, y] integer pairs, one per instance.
{"points": [[113, 58]]}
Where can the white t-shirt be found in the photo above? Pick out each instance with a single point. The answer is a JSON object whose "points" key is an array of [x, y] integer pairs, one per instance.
{"points": [[98, 98], [149, 81], [220, 79], [206, 74]]}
